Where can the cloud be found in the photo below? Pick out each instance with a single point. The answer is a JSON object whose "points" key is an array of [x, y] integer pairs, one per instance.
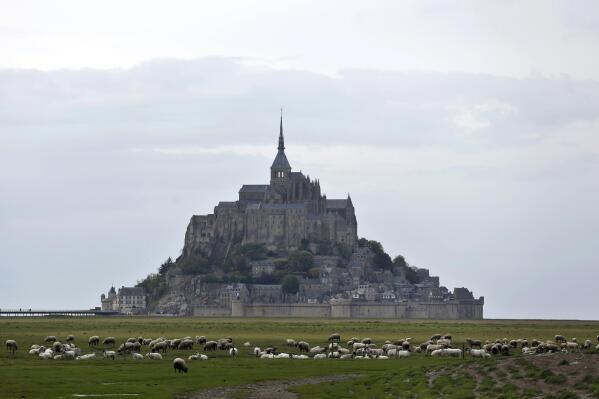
{"points": [[466, 174]]}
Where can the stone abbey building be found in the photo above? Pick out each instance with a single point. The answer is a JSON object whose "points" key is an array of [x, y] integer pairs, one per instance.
{"points": [[279, 215]]}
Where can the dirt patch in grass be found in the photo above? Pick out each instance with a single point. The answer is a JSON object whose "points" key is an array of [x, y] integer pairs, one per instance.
{"points": [[264, 390], [548, 376]]}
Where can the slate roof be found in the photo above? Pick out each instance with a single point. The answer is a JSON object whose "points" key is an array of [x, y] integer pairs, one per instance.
{"points": [[281, 161], [131, 291], [253, 188]]}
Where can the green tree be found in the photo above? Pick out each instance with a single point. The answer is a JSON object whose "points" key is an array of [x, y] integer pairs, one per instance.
{"points": [[166, 266], [194, 264], [382, 261], [253, 251], [400, 261], [290, 284], [301, 261]]}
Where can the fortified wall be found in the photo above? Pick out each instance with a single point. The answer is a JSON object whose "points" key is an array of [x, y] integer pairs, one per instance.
{"points": [[452, 310]]}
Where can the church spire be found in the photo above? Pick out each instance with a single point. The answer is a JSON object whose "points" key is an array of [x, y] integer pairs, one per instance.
{"points": [[281, 139]]}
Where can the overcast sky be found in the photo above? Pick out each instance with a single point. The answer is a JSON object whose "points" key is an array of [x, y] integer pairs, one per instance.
{"points": [[467, 135]]}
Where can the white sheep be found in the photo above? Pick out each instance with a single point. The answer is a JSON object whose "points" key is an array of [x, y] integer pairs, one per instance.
{"points": [[137, 356], [320, 356], [257, 351], [110, 354], [267, 356], [247, 344], [154, 356], [86, 356], [403, 353], [301, 357], [282, 355], [179, 365], [233, 352], [382, 357], [479, 353]]}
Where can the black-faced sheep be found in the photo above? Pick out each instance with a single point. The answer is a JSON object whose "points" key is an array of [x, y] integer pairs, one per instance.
{"points": [[303, 346], [233, 352], [179, 365], [50, 338], [200, 340], [11, 345], [93, 341], [474, 343], [70, 338], [109, 341]]}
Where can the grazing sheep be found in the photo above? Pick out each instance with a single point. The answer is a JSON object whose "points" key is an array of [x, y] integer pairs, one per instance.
{"points": [[233, 352], [186, 344], [179, 365], [93, 341], [572, 345], [335, 337], [367, 341], [50, 338], [11, 345], [70, 338], [210, 346], [154, 356], [109, 341], [435, 337], [290, 342], [137, 356], [303, 346], [109, 354], [320, 356], [159, 347], [57, 346], [432, 347], [444, 342], [474, 343], [146, 341], [175, 343]]}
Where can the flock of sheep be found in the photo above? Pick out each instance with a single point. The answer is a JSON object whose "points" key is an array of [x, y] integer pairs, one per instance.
{"points": [[437, 345]]}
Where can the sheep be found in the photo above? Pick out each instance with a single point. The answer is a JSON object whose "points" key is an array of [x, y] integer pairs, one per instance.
{"points": [[233, 352], [271, 349], [93, 341], [300, 357], [159, 346], [444, 342], [146, 341], [572, 345], [290, 342], [346, 356], [335, 337], [597, 338], [447, 352], [154, 356], [247, 344], [70, 338], [334, 355], [367, 341], [283, 355], [403, 353], [317, 349], [303, 346], [446, 336], [210, 346], [267, 356], [358, 345], [11, 345], [430, 348], [57, 346], [47, 354], [137, 356], [320, 356], [435, 337], [69, 355], [175, 343], [50, 338], [587, 344], [86, 356], [109, 341], [179, 365], [257, 351], [597, 347], [200, 340], [186, 344], [479, 353], [559, 338], [109, 354], [474, 343], [437, 352], [198, 356]]}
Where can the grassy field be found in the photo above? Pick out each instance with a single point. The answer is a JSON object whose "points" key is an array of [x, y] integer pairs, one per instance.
{"points": [[26, 376]]}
